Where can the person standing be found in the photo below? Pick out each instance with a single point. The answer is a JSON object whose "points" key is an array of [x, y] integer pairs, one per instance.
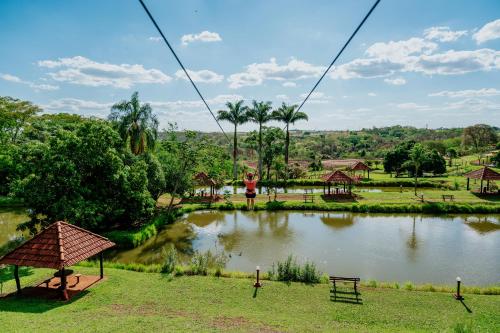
{"points": [[251, 185]]}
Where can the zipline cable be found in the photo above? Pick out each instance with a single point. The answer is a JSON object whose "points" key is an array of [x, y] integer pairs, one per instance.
{"points": [[182, 66], [338, 54]]}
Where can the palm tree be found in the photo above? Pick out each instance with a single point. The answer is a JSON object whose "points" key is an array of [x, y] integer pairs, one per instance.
{"points": [[236, 115], [417, 158], [260, 114], [136, 123], [288, 115]]}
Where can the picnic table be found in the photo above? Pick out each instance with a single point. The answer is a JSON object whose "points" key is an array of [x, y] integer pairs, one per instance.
{"points": [[450, 197]]}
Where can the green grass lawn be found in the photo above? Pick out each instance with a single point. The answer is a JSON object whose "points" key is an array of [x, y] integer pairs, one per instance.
{"points": [[151, 302]]}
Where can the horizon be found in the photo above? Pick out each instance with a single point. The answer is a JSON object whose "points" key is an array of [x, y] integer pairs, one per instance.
{"points": [[438, 70]]}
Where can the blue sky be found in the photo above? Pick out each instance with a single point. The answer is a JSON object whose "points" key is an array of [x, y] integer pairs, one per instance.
{"points": [[419, 63]]}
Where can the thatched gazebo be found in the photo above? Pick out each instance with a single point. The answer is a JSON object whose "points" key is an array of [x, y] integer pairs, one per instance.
{"points": [[202, 179], [359, 166], [337, 177], [483, 174], [58, 246]]}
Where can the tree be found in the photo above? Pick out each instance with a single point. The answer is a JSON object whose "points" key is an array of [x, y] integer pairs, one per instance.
{"points": [[479, 137], [260, 114], [394, 160], [434, 163], [135, 123], [496, 160], [417, 158], [14, 114], [288, 115], [83, 177], [451, 153], [236, 114]]}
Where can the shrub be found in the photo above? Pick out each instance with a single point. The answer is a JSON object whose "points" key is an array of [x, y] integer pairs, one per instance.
{"points": [[201, 262], [170, 260], [409, 285], [291, 271]]}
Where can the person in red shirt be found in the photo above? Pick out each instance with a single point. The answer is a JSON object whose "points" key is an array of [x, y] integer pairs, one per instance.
{"points": [[251, 185]]}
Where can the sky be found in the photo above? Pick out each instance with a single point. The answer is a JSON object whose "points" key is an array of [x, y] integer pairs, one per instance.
{"points": [[415, 63]]}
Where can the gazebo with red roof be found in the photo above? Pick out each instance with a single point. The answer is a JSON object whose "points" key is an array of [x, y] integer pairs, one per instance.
{"points": [[483, 174], [360, 166], [337, 177], [202, 179], [58, 246]]}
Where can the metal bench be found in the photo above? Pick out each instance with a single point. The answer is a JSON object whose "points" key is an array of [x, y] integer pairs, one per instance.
{"points": [[335, 279]]}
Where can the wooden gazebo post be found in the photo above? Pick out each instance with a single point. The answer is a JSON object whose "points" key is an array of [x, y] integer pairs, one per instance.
{"points": [[101, 266], [16, 276]]}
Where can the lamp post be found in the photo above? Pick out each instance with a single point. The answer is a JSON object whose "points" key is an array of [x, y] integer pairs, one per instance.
{"points": [[457, 296], [257, 283]]}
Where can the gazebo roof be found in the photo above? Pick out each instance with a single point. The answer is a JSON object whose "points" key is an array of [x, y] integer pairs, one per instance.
{"points": [[203, 179], [359, 166], [59, 245], [337, 176], [484, 174]]}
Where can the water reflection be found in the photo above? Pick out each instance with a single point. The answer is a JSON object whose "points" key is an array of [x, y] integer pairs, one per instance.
{"points": [[421, 248]]}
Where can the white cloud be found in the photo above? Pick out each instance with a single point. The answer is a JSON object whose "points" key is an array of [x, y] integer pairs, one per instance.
{"points": [[456, 62], [78, 106], [443, 34], [35, 86], [484, 92], [216, 101], [412, 106], [289, 84], [372, 94], [203, 76], [398, 81], [398, 51], [488, 32], [473, 104], [204, 36], [155, 39], [282, 97], [366, 68], [83, 71], [256, 73], [317, 97]]}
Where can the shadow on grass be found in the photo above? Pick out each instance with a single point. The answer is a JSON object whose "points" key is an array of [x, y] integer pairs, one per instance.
{"points": [[339, 198], [28, 303], [341, 296], [255, 292], [493, 197], [466, 307]]}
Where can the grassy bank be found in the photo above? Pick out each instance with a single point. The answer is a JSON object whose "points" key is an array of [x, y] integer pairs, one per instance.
{"points": [[133, 302], [10, 202]]}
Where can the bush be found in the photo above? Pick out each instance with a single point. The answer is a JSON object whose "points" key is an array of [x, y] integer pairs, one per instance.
{"points": [[202, 262], [291, 271], [409, 285], [170, 260]]}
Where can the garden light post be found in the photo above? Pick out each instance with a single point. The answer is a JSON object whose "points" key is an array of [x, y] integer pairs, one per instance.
{"points": [[457, 296], [257, 283]]}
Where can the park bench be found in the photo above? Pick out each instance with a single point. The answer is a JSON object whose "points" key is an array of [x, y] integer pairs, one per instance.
{"points": [[335, 279], [308, 196], [450, 197]]}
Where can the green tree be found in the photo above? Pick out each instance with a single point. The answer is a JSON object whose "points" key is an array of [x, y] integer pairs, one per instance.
{"points": [[451, 153], [135, 123], [235, 114], [417, 158], [479, 137], [260, 114], [14, 115], [496, 160], [288, 115], [83, 177]]}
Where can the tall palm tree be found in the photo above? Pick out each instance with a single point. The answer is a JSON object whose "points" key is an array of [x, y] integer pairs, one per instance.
{"points": [[136, 123], [288, 115], [236, 114], [260, 114]]}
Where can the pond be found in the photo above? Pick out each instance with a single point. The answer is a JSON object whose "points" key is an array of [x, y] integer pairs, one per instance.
{"points": [[396, 247], [418, 248]]}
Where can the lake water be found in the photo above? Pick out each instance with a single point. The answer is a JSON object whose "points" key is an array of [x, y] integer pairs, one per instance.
{"points": [[419, 248]]}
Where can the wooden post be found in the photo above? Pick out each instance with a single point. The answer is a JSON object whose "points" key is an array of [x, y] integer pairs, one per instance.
{"points": [[368, 173], [488, 185], [481, 191], [18, 282], [468, 179], [101, 265], [64, 291]]}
